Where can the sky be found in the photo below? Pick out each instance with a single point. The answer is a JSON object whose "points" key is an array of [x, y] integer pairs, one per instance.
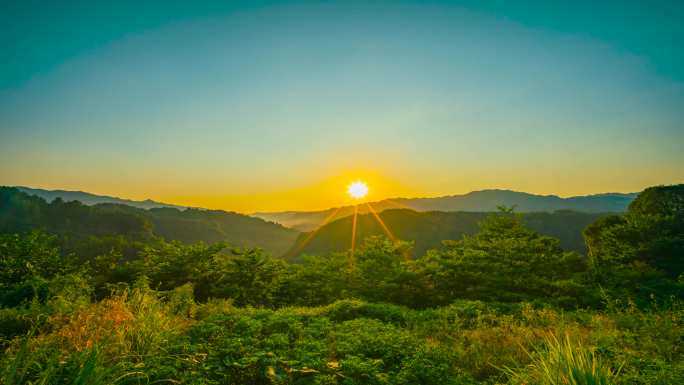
{"points": [[264, 106]]}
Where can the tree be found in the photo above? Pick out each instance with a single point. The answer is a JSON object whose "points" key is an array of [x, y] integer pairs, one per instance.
{"points": [[250, 277], [382, 271], [504, 261], [650, 233], [27, 262], [172, 264], [316, 281]]}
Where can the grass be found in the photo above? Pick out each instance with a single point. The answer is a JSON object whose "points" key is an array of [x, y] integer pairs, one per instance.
{"points": [[562, 361]]}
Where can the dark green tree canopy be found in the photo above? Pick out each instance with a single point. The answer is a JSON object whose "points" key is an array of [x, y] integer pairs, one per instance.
{"points": [[650, 235], [660, 201]]}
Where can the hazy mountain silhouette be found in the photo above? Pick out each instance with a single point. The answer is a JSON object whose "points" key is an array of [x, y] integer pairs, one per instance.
{"points": [[92, 199], [429, 229], [476, 201]]}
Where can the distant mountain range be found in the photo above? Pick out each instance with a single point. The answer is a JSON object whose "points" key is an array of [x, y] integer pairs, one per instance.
{"points": [[429, 229], [476, 201], [427, 221], [92, 199]]}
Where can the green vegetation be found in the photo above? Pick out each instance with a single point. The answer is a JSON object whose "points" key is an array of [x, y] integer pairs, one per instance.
{"points": [[428, 229], [504, 305], [76, 222], [560, 361]]}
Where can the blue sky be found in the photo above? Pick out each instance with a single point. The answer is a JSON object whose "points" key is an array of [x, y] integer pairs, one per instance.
{"points": [[276, 105]]}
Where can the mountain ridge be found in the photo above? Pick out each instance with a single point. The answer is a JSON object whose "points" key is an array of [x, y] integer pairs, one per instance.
{"points": [[474, 201], [92, 199]]}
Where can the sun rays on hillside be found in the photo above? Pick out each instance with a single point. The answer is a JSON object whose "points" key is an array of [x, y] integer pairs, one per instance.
{"points": [[357, 191]]}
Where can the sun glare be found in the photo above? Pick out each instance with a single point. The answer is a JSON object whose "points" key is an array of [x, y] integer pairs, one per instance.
{"points": [[357, 190]]}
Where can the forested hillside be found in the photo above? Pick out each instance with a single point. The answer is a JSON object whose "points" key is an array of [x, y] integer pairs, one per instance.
{"points": [[428, 229], [504, 305], [76, 222]]}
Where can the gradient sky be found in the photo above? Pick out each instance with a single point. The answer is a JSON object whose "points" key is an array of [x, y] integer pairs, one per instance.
{"points": [[279, 105]]}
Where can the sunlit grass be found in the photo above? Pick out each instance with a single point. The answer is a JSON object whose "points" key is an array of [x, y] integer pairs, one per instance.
{"points": [[564, 361]]}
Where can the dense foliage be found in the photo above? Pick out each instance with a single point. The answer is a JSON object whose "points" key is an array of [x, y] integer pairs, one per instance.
{"points": [[642, 247], [504, 305]]}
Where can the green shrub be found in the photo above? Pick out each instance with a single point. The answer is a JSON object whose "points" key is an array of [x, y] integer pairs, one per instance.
{"points": [[351, 309]]}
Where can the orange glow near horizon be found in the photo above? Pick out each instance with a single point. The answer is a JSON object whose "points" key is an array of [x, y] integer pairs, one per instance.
{"points": [[323, 188], [318, 194]]}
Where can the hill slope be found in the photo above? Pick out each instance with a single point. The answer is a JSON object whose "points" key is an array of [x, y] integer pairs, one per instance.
{"points": [[429, 229], [476, 201], [21, 212]]}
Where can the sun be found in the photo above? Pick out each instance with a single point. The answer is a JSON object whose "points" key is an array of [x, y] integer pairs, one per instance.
{"points": [[358, 189]]}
